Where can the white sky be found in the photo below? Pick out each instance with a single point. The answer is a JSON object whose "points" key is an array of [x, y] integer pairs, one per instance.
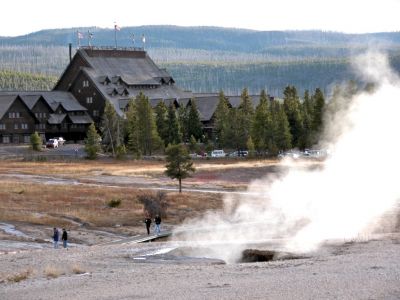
{"points": [[24, 16]]}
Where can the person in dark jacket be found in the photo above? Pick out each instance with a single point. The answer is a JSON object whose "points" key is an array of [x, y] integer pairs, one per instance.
{"points": [[64, 238], [148, 223], [157, 220], [55, 237]]}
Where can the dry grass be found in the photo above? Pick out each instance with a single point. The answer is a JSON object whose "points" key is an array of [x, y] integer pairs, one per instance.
{"points": [[52, 272], [120, 168], [78, 269], [69, 205], [23, 275]]}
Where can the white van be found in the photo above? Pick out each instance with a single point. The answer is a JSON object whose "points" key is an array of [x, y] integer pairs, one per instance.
{"points": [[217, 153]]}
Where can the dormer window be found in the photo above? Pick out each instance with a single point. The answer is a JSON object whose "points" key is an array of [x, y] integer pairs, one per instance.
{"points": [[85, 83], [14, 115]]}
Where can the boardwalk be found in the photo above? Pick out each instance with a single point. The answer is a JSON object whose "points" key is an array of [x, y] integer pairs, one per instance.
{"points": [[141, 238]]}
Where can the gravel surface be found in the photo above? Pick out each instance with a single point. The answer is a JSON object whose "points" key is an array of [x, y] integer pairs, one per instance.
{"points": [[353, 270]]}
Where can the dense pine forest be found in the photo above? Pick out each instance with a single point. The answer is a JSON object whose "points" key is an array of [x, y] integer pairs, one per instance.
{"points": [[23, 81], [205, 59]]}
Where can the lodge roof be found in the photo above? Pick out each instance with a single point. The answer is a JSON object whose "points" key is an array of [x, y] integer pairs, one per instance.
{"points": [[5, 102], [53, 99], [56, 118], [81, 119], [120, 75]]}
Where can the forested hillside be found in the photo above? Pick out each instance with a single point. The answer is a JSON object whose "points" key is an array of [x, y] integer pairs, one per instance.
{"points": [[208, 59], [21, 81]]}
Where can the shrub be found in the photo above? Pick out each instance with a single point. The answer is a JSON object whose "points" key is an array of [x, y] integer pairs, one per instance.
{"points": [[154, 204], [36, 142], [120, 152], [92, 145], [52, 272], [77, 269], [20, 276], [114, 203]]}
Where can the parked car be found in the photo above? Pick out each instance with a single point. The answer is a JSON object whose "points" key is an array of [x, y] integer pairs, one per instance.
{"points": [[52, 143], [60, 140], [217, 153], [241, 153]]}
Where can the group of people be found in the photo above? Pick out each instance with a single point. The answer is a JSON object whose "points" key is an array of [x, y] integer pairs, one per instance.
{"points": [[157, 221], [64, 238]]}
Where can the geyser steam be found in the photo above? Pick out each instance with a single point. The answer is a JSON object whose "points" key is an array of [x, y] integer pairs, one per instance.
{"points": [[342, 200]]}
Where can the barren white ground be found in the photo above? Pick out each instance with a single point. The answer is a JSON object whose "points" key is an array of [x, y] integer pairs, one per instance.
{"points": [[349, 270]]}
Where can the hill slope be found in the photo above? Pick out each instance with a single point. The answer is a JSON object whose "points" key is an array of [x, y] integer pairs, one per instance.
{"points": [[207, 59]]}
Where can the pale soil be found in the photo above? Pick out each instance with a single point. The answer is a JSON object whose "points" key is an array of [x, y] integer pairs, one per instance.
{"points": [[353, 270]]}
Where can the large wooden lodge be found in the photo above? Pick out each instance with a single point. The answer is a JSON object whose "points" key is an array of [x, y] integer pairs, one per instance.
{"points": [[94, 76]]}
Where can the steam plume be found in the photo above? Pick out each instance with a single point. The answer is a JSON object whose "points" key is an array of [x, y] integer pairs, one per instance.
{"points": [[343, 199]]}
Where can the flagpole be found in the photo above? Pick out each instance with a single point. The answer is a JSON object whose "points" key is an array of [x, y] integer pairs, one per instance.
{"points": [[115, 34]]}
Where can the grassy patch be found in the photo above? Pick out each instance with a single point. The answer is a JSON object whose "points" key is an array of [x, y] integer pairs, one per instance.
{"points": [[52, 272], [23, 275], [78, 269], [113, 203]]}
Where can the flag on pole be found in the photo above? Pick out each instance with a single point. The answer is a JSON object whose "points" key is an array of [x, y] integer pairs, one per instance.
{"points": [[80, 35], [117, 28]]}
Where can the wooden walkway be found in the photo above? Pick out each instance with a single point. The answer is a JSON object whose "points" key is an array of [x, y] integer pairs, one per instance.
{"points": [[141, 238]]}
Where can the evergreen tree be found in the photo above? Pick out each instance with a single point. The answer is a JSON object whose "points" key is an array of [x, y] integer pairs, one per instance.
{"points": [[172, 130], [292, 108], [221, 121], [262, 127], [240, 122], [282, 137], [92, 145], [179, 164], [132, 128], [183, 121], [250, 146], [36, 142], [148, 137], [193, 144], [194, 126], [319, 107], [110, 128], [246, 112], [162, 121], [307, 111], [235, 135]]}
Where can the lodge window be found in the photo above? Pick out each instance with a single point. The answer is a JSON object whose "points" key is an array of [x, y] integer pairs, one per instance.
{"points": [[85, 83], [95, 113], [40, 126], [16, 126], [27, 139], [6, 139], [14, 115], [40, 115], [24, 126], [2, 126], [89, 100]]}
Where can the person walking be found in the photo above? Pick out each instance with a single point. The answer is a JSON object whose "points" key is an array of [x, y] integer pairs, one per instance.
{"points": [[157, 220], [64, 238], [55, 237], [148, 223]]}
